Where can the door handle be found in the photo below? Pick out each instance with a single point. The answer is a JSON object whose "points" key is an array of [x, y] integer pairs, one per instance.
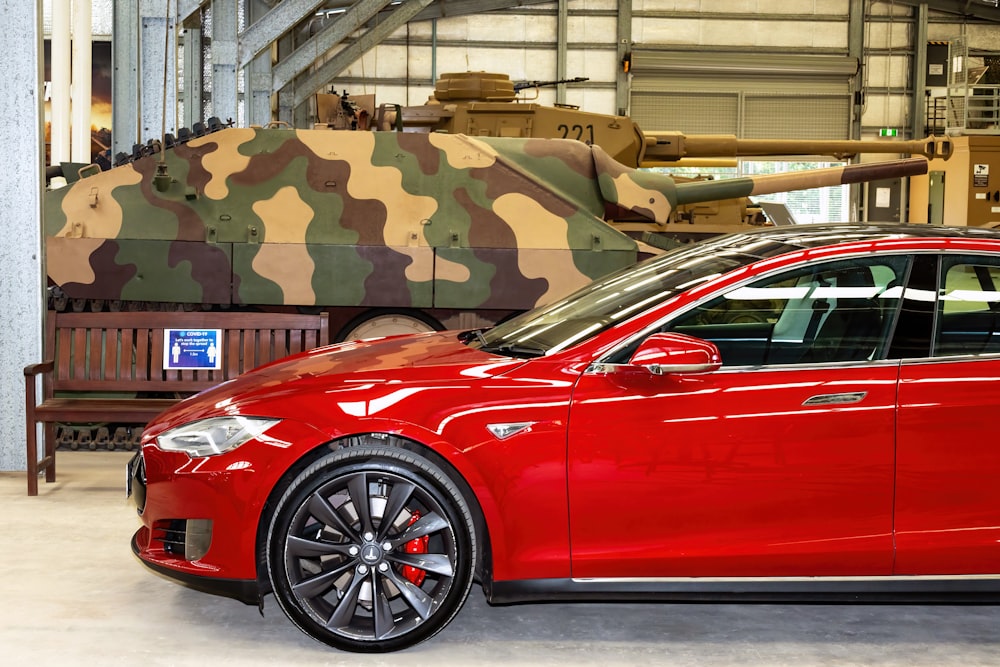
{"points": [[846, 398]]}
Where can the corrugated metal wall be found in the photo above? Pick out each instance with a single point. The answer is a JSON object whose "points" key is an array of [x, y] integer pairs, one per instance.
{"points": [[793, 96]]}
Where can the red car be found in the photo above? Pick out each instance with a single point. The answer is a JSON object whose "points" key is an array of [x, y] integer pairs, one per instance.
{"points": [[796, 412]]}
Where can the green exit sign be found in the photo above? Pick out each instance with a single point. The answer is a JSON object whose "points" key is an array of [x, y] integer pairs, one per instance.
{"points": [[888, 132]]}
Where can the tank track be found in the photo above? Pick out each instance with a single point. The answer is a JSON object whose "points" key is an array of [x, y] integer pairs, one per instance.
{"points": [[184, 135], [61, 303], [94, 437]]}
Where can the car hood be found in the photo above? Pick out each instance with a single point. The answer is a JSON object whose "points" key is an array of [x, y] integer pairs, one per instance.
{"points": [[421, 359]]}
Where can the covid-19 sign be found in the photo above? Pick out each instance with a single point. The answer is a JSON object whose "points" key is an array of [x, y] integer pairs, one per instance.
{"points": [[192, 349]]}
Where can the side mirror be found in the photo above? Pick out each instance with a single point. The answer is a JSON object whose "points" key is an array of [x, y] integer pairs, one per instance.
{"points": [[664, 353]]}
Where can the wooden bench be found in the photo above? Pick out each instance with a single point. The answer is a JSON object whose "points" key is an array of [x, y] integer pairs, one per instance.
{"points": [[122, 352]]}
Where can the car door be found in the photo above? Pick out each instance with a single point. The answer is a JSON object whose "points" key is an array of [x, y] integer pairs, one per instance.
{"points": [[948, 479], [780, 463]]}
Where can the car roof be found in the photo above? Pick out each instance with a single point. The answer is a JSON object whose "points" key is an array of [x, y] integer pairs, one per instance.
{"points": [[775, 241], [816, 235]]}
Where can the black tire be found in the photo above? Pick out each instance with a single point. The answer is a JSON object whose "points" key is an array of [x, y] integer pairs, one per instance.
{"points": [[346, 579]]}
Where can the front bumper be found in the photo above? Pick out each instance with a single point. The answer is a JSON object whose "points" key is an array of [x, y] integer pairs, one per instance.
{"points": [[196, 524], [200, 516], [246, 591]]}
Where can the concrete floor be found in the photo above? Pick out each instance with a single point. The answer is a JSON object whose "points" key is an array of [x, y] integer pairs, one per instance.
{"points": [[71, 592]]}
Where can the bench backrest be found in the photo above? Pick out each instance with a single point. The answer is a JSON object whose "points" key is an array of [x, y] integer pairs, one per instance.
{"points": [[123, 351]]}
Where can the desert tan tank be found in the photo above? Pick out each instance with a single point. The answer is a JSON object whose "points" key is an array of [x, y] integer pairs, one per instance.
{"points": [[487, 104], [490, 104]]}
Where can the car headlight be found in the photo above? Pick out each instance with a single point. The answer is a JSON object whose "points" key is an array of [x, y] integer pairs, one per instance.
{"points": [[210, 437]]}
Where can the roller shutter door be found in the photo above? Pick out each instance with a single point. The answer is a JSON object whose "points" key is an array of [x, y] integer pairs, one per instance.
{"points": [[753, 97]]}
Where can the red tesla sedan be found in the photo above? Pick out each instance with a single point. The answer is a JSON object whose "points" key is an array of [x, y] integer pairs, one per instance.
{"points": [[795, 412]]}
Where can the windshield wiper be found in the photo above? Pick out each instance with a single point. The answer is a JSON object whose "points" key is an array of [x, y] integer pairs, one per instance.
{"points": [[513, 350], [507, 349], [466, 336]]}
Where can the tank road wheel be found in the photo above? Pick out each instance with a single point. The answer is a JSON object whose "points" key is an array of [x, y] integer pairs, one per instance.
{"points": [[371, 549], [377, 323]]}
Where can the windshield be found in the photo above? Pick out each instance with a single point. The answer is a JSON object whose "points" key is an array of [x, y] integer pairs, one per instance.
{"points": [[622, 295]]}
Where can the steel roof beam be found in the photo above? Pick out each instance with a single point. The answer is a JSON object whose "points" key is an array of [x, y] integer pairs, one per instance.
{"points": [[187, 8], [446, 8], [258, 36], [987, 11], [316, 46], [369, 40]]}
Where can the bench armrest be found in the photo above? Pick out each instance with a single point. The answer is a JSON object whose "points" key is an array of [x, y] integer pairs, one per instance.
{"points": [[43, 367]]}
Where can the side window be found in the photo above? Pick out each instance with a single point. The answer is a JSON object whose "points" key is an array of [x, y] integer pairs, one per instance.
{"points": [[831, 312], [968, 307]]}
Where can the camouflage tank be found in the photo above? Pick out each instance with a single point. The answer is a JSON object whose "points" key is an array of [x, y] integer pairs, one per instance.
{"points": [[388, 231]]}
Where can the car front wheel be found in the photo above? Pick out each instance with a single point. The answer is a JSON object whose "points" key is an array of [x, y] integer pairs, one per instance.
{"points": [[371, 549]]}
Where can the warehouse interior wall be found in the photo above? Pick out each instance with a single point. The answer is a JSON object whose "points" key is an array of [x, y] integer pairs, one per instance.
{"points": [[402, 68], [528, 40]]}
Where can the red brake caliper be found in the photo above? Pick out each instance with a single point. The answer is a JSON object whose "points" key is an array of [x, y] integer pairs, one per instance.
{"points": [[418, 545]]}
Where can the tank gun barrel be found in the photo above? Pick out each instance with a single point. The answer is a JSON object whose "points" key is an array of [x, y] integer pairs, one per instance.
{"points": [[654, 196], [672, 146], [688, 193]]}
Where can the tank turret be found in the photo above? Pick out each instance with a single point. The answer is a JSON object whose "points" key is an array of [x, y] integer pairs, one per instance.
{"points": [[430, 230]]}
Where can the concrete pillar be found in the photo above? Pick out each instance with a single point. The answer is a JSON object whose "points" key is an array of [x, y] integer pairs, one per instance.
{"points": [[258, 83], [225, 89], [157, 45], [125, 79], [21, 287], [194, 111], [257, 74]]}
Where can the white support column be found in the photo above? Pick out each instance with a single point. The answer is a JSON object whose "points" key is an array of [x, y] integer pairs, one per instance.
{"points": [[83, 56], [21, 290], [59, 88]]}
